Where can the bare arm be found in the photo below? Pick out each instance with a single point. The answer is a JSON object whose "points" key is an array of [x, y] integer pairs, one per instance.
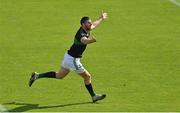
{"points": [[99, 20], [89, 40]]}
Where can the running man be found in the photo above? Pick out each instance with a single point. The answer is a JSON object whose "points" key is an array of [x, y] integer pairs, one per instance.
{"points": [[71, 59]]}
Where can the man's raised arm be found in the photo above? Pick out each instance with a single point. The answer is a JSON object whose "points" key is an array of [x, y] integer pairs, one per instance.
{"points": [[99, 20]]}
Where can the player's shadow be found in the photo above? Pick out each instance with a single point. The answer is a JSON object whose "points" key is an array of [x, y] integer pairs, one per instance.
{"points": [[22, 107]]}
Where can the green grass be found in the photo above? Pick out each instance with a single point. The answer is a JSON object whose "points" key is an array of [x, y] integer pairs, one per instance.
{"points": [[136, 60]]}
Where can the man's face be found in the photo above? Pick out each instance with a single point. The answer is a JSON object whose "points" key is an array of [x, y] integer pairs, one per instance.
{"points": [[88, 24]]}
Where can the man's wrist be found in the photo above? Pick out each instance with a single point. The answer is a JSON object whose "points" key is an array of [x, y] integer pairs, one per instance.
{"points": [[101, 18]]}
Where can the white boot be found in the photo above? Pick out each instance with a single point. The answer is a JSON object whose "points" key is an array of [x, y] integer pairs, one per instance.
{"points": [[98, 97]]}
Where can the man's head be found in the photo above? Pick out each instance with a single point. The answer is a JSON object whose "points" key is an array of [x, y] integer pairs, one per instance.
{"points": [[86, 23]]}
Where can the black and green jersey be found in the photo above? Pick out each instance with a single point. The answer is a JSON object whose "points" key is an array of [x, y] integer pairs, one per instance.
{"points": [[78, 47]]}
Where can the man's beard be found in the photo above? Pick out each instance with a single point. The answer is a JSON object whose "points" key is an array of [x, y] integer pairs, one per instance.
{"points": [[88, 28]]}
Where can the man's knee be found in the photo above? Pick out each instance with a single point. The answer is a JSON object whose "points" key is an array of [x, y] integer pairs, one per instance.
{"points": [[87, 76]]}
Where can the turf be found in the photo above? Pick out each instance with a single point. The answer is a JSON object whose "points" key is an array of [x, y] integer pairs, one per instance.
{"points": [[136, 60]]}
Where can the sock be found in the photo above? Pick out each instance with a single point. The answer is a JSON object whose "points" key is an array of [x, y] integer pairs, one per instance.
{"points": [[90, 89], [50, 74]]}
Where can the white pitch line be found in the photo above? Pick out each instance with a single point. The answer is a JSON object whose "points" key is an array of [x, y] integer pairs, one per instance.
{"points": [[175, 2], [2, 109]]}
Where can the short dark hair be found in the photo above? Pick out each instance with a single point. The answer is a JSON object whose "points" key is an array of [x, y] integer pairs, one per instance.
{"points": [[84, 19]]}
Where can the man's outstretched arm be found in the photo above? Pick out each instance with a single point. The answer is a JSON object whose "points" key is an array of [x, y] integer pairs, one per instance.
{"points": [[99, 20], [89, 40]]}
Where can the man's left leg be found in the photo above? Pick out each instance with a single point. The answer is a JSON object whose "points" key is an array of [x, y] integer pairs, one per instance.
{"points": [[87, 80]]}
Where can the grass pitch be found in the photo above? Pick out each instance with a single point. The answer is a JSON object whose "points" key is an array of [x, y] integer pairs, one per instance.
{"points": [[136, 60]]}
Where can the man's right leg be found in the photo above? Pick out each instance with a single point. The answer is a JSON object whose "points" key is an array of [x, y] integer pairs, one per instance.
{"points": [[59, 75]]}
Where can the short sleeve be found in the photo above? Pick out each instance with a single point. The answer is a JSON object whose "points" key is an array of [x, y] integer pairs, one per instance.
{"points": [[81, 34]]}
